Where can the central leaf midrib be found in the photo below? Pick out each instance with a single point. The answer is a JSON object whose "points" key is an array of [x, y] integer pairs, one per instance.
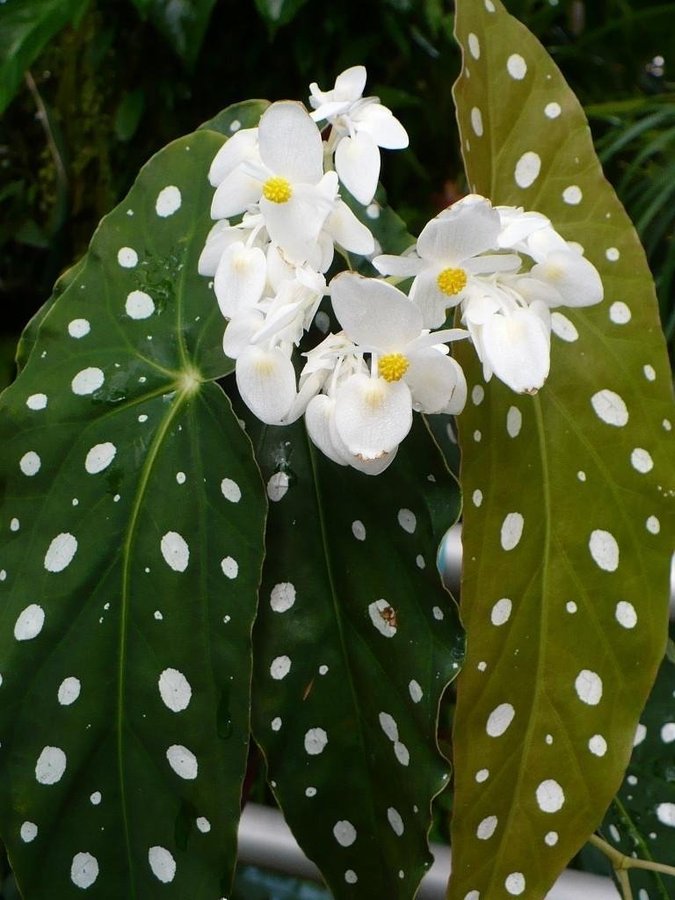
{"points": [[144, 479]]}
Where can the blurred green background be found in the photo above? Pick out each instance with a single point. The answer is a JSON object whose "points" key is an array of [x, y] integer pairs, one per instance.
{"points": [[89, 89]]}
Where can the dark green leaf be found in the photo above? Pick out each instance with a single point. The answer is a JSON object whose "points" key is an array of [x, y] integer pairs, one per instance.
{"points": [[278, 12], [355, 642], [566, 523], [133, 514], [183, 24]]}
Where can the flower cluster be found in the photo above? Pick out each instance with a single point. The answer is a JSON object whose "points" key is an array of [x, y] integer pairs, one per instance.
{"points": [[281, 217]]}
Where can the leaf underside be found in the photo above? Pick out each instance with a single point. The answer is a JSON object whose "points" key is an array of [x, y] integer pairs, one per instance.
{"points": [[566, 518], [354, 644], [133, 518]]}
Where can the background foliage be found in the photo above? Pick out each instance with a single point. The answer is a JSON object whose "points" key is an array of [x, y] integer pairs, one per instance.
{"points": [[109, 82]]}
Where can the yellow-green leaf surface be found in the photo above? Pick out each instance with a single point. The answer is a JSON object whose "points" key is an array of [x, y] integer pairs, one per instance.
{"points": [[567, 499]]}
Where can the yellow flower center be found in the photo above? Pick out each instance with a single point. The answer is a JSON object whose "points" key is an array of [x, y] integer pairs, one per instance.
{"points": [[277, 190], [393, 366], [451, 281]]}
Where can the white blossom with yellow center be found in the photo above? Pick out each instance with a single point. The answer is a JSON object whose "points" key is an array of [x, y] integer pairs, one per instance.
{"points": [[410, 367], [279, 167], [457, 245]]}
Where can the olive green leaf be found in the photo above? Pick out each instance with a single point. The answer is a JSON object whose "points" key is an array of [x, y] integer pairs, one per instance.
{"points": [[566, 518]]}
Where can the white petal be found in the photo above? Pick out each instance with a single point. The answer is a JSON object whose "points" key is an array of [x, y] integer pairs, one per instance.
{"points": [[517, 225], [239, 147], [349, 84], [221, 236], [266, 382], [372, 416], [431, 300], [348, 232], [295, 225], [544, 241], [432, 379], [290, 143], [357, 161], [384, 128], [373, 466], [492, 262], [460, 391], [518, 349], [240, 329], [318, 416], [401, 266], [374, 314], [460, 233], [573, 276], [235, 194], [240, 278]]}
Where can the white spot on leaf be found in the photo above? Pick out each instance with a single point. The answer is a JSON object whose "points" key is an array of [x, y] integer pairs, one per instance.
{"points": [[516, 66], [641, 460], [610, 407], [527, 169], [511, 531], [231, 490], [182, 761], [162, 863], [514, 421], [407, 520], [552, 110], [280, 667], [625, 614], [588, 686], [69, 690], [499, 719], [79, 328], [175, 690], [277, 486], [127, 257], [282, 596], [84, 870], [315, 741], [486, 828], [175, 551], [50, 766], [501, 611], [100, 457], [29, 623], [139, 305], [168, 201], [550, 796], [563, 328], [87, 381], [619, 313], [604, 550], [30, 463]]}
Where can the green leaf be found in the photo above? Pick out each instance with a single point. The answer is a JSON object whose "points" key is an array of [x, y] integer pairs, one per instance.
{"points": [[183, 24], [641, 820], [566, 523], [129, 114], [354, 644], [132, 517], [239, 115], [26, 26]]}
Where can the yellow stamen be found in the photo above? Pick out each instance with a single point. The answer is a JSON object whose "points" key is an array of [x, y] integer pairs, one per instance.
{"points": [[393, 366], [277, 190], [451, 281]]}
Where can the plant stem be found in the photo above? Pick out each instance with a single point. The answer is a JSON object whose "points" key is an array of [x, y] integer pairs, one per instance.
{"points": [[621, 863]]}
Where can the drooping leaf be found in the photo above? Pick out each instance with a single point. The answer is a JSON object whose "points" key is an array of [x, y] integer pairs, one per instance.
{"points": [[276, 13], [566, 520], [354, 644], [133, 517], [26, 26]]}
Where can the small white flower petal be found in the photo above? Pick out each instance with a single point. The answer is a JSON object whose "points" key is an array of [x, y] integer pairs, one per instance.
{"points": [[517, 347], [460, 392], [372, 416], [373, 313], [242, 145], [573, 276], [460, 232], [235, 194], [400, 266], [217, 241], [384, 128], [295, 225], [266, 382], [318, 416], [240, 278], [357, 162], [373, 466], [290, 143], [432, 379], [348, 232], [349, 85], [431, 300], [240, 330]]}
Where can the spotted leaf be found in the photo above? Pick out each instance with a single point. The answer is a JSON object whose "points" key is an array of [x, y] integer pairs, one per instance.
{"points": [[565, 582], [641, 819], [355, 642], [132, 517]]}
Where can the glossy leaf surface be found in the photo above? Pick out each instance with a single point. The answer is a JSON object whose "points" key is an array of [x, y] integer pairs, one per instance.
{"points": [[567, 493], [26, 26], [132, 519], [355, 642]]}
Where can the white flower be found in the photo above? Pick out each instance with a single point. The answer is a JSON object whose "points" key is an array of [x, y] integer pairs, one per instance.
{"points": [[285, 178], [373, 413], [512, 339], [360, 126], [448, 255]]}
